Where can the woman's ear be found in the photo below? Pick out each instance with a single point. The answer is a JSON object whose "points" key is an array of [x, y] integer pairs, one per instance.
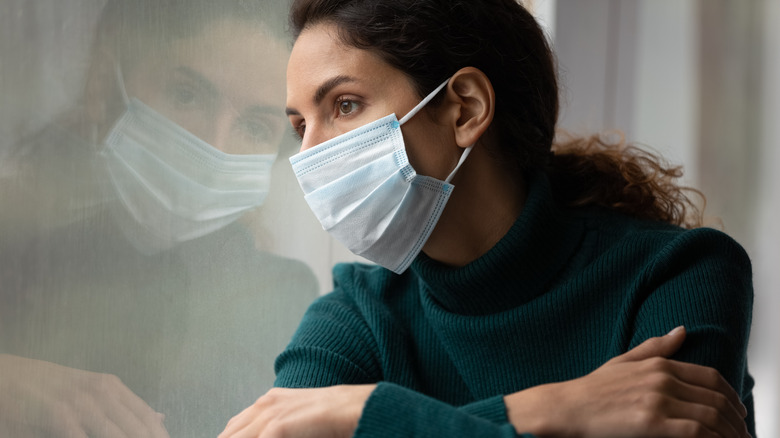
{"points": [[103, 97], [472, 100]]}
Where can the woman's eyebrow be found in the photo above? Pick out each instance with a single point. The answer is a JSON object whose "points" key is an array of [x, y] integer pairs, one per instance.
{"points": [[323, 90], [201, 80], [328, 85]]}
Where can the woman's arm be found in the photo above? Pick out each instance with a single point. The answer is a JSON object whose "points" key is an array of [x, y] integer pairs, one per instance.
{"points": [[330, 383], [702, 280], [348, 401], [39, 398], [374, 410], [637, 394]]}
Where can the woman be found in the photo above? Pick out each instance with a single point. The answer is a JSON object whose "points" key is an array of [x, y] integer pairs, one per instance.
{"points": [[537, 300], [130, 289]]}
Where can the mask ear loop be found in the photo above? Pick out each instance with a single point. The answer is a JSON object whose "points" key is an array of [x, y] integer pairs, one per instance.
{"points": [[125, 99], [463, 156], [417, 108], [121, 80], [424, 102]]}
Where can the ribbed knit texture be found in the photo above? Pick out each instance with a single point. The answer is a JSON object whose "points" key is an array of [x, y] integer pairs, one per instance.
{"points": [[562, 293]]}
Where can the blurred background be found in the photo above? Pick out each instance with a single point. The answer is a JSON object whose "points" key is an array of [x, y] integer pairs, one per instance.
{"points": [[696, 80]]}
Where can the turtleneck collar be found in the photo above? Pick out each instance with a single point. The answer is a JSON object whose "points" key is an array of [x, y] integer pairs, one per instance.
{"points": [[517, 269]]}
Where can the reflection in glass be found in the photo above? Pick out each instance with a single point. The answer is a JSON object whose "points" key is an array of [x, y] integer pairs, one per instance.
{"points": [[130, 285]]}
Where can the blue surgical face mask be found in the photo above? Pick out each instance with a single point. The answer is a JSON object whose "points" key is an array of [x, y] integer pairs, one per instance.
{"points": [[174, 186], [365, 193]]}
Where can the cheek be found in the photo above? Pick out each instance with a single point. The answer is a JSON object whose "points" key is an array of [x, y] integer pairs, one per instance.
{"points": [[195, 117], [430, 149], [141, 84]]}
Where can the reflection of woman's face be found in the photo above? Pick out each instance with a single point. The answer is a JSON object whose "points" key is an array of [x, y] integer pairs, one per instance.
{"points": [[333, 88], [224, 85]]}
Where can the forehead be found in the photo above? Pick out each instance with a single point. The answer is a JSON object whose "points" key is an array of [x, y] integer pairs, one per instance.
{"points": [[319, 55], [241, 59]]}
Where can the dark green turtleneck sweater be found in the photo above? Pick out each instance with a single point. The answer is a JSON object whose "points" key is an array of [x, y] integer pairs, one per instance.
{"points": [[562, 293]]}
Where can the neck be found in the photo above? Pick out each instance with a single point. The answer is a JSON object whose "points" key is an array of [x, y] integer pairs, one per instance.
{"points": [[485, 203]]}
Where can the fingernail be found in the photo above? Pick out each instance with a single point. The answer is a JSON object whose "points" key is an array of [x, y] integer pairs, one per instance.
{"points": [[675, 330]]}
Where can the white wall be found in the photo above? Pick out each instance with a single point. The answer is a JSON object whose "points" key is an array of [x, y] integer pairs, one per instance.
{"points": [[665, 113], [765, 349], [613, 59]]}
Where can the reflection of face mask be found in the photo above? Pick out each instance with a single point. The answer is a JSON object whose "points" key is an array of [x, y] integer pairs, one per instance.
{"points": [[175, 186], [365, 193]]}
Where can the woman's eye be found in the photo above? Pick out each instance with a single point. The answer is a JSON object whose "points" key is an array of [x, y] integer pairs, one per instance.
{"points": [[257, 132], [347, 107], [300, 130], [183, 95]]}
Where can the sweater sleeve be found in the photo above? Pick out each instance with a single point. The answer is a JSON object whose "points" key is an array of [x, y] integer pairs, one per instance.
{"points": [[393, 411], [702, 280], [334, 346]]}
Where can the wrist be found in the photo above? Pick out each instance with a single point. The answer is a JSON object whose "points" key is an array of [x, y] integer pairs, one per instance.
{"points": [[354, 409], [531, 411]]}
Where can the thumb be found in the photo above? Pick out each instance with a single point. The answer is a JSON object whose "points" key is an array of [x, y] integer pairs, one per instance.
{"points": [[663, 346]]}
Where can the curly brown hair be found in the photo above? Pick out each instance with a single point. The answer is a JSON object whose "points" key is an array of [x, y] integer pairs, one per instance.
{"points": [[604, 170]]}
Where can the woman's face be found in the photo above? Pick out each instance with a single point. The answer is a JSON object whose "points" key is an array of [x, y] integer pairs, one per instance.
{"points": [[333, 88], [223, 85]]}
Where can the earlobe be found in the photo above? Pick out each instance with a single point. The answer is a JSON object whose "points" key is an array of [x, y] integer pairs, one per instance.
{"points": [[471, 93], [101, 86]]}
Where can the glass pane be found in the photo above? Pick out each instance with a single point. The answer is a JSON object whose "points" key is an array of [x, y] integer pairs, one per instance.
{"points": [[140, 269]]}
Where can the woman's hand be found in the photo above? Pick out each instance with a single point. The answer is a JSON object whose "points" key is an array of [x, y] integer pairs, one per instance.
{"points": [[637, 394], [40, 398], [311, 412]]}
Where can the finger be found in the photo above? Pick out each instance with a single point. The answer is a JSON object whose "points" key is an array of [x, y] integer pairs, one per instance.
{"points": [[676, 427], [258, 426], [66, 429], [238, 422], [60, 420], [38, 429], [135, 414], [706, 377], [147, 423], [663, 346], [107, 404], [102, 426], [706, 416], [93, 416], [706, 397]]}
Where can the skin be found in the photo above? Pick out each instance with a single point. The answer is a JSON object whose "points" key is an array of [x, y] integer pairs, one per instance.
{"points": [[42, 399], [637, 394], [487, 200], [222, 86]]}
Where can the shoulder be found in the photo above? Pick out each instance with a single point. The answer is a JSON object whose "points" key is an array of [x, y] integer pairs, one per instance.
{"points": [[652, 254], [702, 266], [660, 242], [374, 289], [368, 297], [230, 261], [709, 264], [361, 277], [335, 342], [352, 283]]}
